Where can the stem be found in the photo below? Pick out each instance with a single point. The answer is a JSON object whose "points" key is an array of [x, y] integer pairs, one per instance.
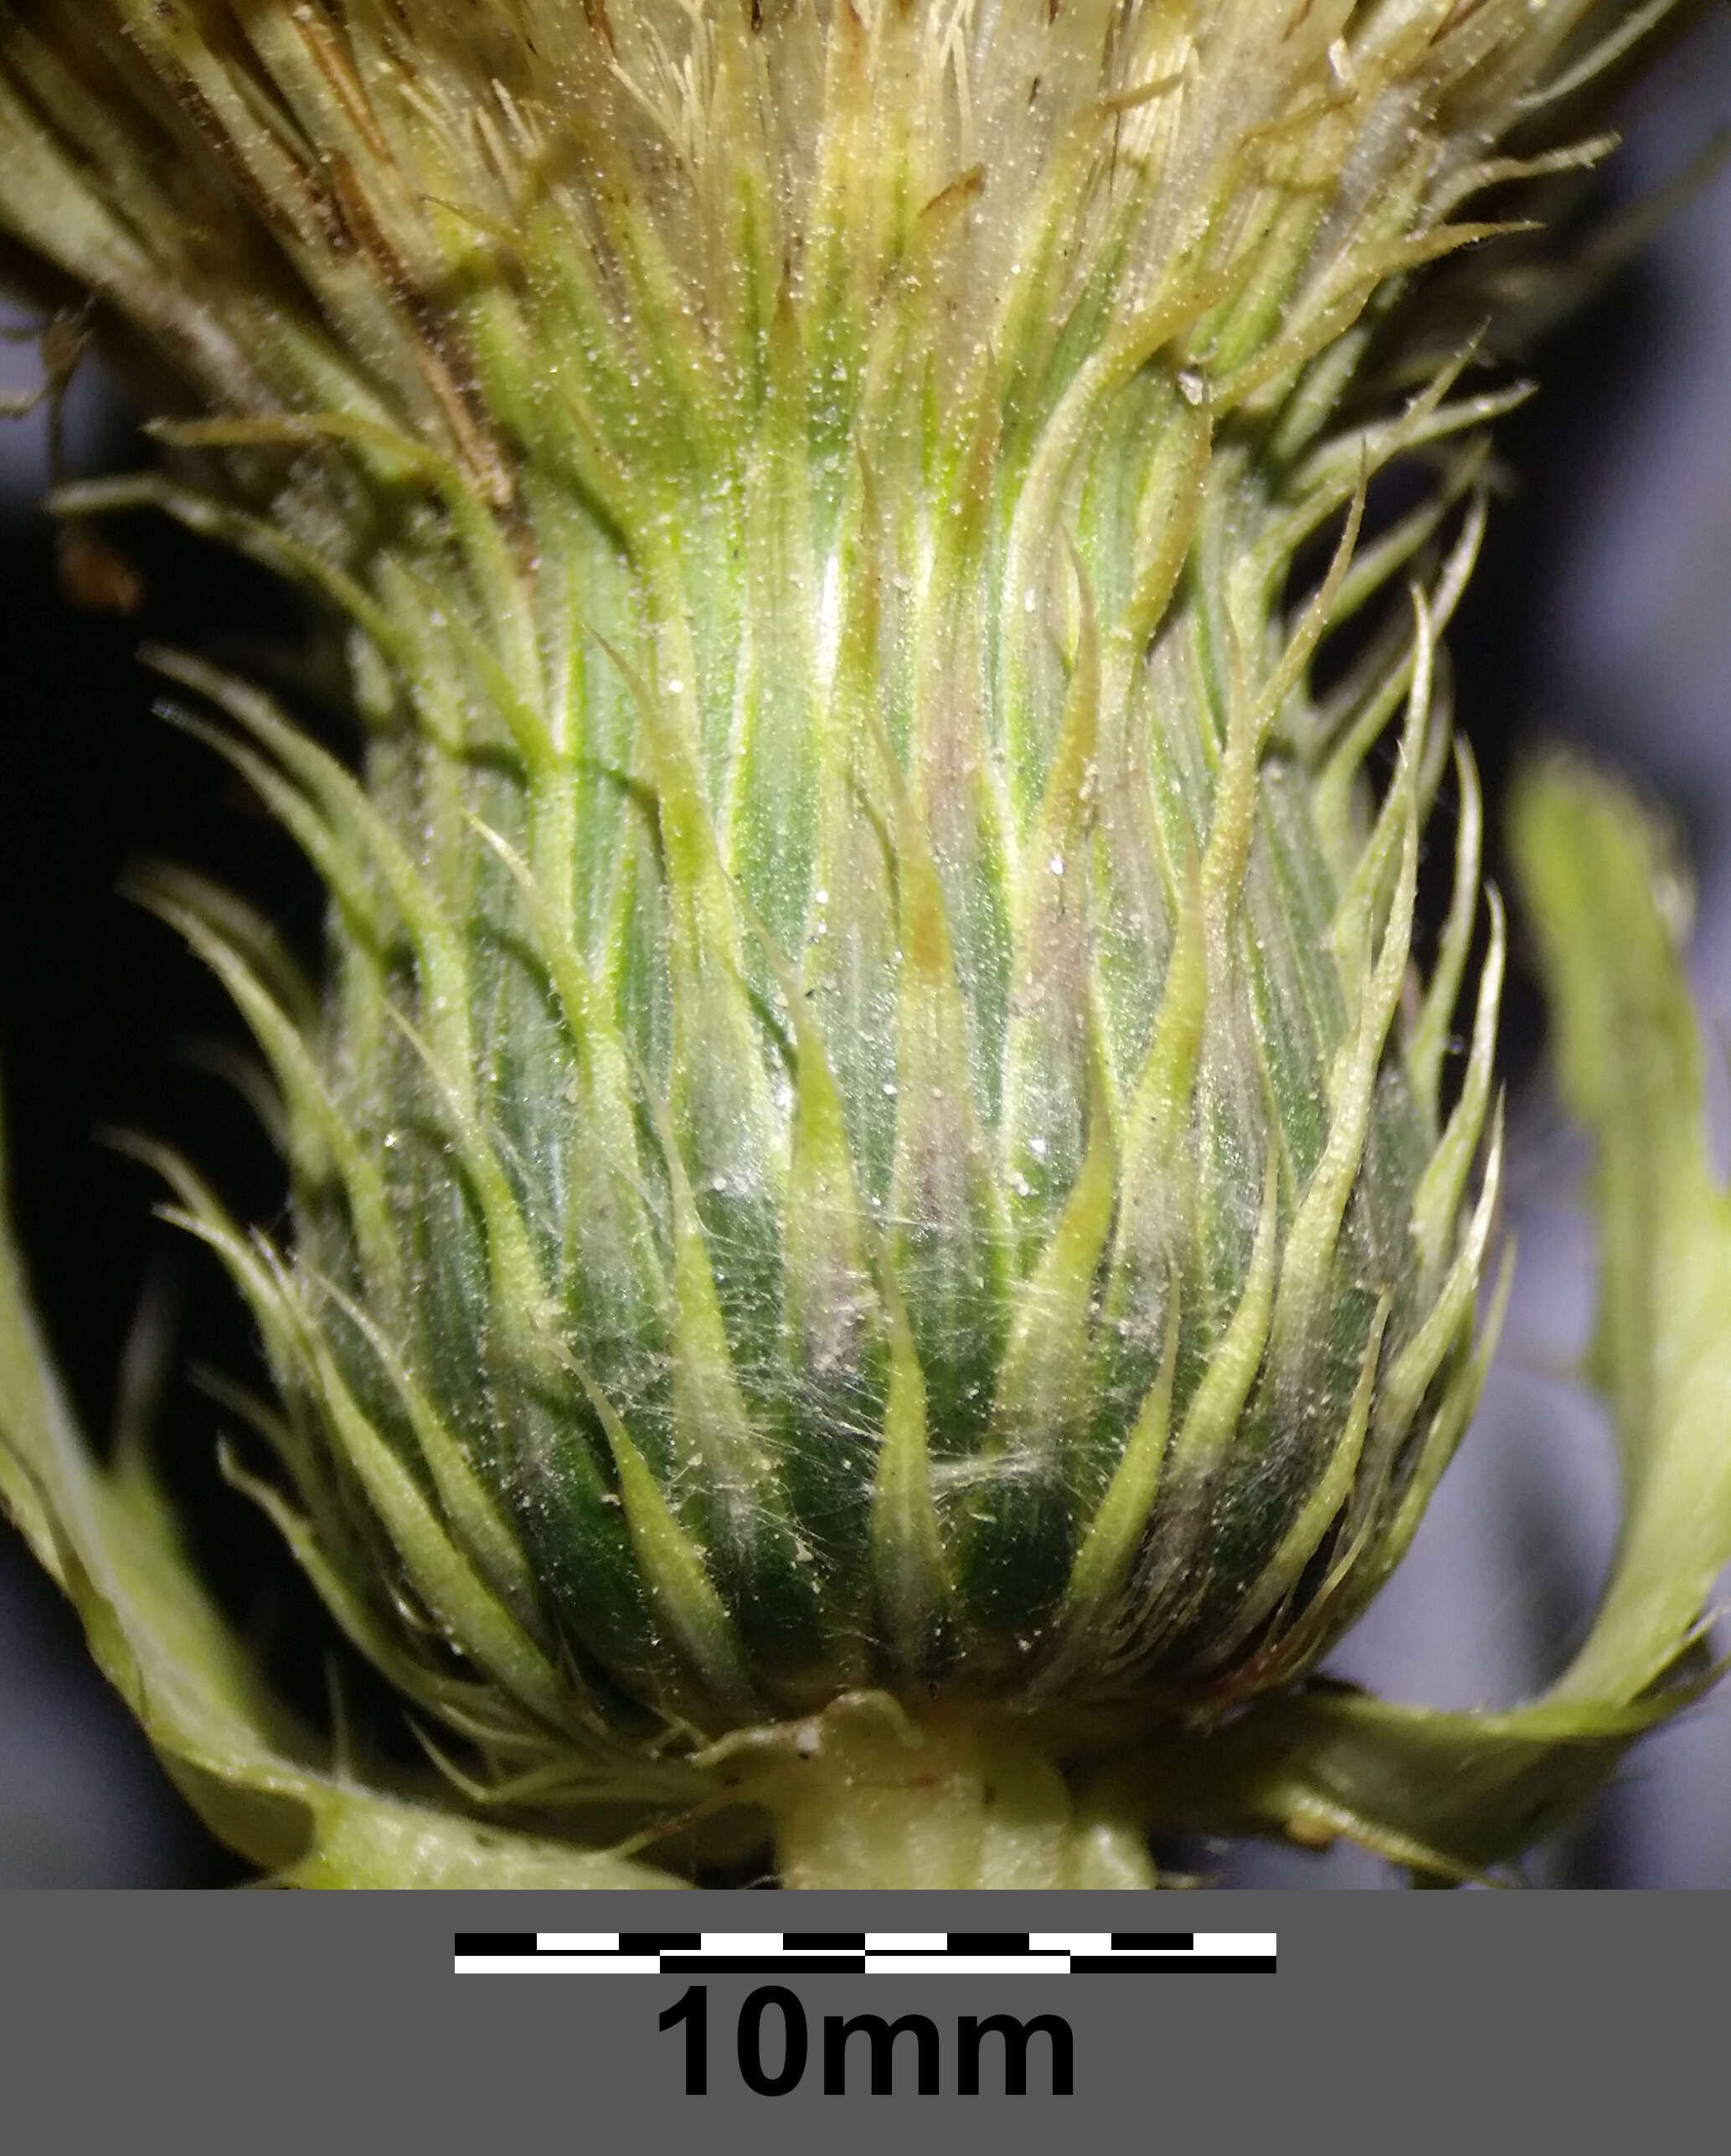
{"points": [[865, 1794]]}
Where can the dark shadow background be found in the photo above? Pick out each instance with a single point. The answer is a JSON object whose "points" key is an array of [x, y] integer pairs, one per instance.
{"points": [[104, 1022]]}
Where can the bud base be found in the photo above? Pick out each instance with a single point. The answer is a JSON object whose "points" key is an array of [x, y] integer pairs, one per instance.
{"points": [[866, 1794]]}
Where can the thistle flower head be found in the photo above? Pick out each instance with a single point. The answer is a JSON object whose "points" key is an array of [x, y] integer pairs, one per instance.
{"points": [[874, 1122]]}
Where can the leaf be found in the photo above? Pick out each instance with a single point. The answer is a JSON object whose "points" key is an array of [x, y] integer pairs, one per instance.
{"points": [[1607, 902], [1454, 1793], [109, 1538], [33, 1414], [1447, 1793]]}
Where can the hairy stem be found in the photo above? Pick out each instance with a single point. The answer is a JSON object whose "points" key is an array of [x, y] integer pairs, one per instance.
{"points": [[867, 1795]]}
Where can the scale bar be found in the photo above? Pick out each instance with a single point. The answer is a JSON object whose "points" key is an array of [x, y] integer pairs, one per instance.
{"points": [[865, 1953]]}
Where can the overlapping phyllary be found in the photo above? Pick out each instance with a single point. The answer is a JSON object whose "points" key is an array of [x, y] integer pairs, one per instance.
{"points": [[874, 1179]]}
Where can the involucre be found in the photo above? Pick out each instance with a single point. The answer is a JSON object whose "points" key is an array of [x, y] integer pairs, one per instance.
{"points": [[875, 1179]]}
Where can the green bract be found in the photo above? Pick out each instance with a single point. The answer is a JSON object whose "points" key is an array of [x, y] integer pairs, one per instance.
{"points": [[873, 1176]]}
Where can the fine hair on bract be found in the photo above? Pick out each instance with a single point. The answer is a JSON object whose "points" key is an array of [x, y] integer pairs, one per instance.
{"points": [[879, 1197]]}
